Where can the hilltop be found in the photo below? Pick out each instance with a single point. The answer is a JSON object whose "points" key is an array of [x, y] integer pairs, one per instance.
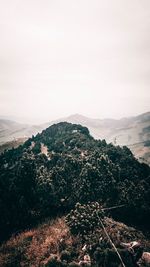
{"points": [[133, 132], [64, 165]]}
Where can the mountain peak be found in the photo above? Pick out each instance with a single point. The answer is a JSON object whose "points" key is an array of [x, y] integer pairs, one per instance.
{"points": [[78, 116]]}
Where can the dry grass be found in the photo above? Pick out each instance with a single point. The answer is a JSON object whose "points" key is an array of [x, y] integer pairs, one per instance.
{"points": [[46, 241], [33, 248]]}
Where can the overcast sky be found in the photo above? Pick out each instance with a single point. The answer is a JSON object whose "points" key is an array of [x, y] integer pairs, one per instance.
{"points": [[59, 57]]}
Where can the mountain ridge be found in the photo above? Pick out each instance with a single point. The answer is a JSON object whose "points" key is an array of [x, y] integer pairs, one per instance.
{"points": [[133, 131]]}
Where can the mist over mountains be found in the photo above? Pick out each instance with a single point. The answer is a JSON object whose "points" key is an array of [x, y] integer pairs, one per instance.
{"points": [[10, 130], [133, 132]]}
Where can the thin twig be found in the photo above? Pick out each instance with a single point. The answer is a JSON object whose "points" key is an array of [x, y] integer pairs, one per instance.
{"points": [[114, 207]]}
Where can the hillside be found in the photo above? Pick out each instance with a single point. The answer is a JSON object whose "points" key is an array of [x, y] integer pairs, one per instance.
{"points": [[52, 244], [64, 165], [12, 144], [11, 131]]}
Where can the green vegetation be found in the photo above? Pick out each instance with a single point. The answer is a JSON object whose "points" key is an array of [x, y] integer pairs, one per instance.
{"points": [[84, 218], [71, 168]]}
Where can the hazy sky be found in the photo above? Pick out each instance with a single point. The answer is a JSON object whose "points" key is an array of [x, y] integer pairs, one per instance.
{"points": [[59, 57]]}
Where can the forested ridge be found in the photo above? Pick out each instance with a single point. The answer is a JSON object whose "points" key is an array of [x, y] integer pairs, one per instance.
{"points": [[64, 165]]}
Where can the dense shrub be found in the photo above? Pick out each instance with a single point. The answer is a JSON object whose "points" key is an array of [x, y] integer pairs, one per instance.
{"points": [[84, 218]]}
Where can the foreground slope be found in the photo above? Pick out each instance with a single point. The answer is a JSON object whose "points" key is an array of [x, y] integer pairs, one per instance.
{"points": [[41, 245], [64, 164]]}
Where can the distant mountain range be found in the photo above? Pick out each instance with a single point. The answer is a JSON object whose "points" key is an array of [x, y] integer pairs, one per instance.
{"points": [[133, 132], [11, 130]]}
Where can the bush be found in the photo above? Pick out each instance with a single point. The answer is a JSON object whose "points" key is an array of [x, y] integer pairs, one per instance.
{"points": [[84, 218]]}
